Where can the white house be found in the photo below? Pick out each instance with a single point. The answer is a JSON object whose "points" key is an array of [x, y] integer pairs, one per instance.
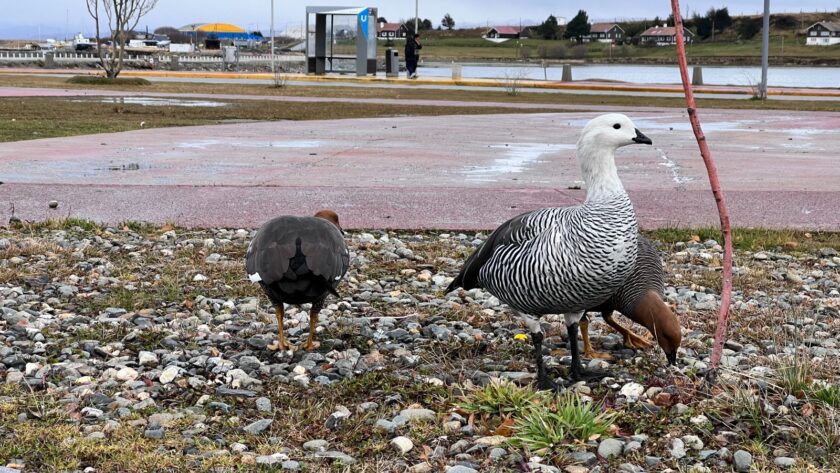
{"points": [[823, 33]]}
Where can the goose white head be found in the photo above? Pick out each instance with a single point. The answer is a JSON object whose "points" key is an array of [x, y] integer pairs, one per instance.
{"points": [[612, 130], [596, 152]]}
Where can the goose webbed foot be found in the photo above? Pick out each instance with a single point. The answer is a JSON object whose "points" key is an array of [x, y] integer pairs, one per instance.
{"points": [[577, 372]]}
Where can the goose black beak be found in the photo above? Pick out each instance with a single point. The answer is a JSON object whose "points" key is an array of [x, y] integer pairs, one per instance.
{"points": [[641, 138]]}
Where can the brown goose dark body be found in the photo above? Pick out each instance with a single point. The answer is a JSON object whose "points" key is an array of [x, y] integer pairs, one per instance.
{"points": [[298, 260], [640, 299]]}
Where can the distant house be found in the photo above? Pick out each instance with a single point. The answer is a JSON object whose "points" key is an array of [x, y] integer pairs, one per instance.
{"points": [[664, 36], [507, 32], [391, 31], [604, 33], [823, 33]]}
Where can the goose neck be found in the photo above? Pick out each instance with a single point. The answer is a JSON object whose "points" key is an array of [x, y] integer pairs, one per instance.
{"points": [[597, 166]]}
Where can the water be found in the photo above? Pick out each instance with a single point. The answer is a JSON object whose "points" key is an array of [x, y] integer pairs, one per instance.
{"points": [[518, 158], [156, 102], [821, 77], [205, 144]]}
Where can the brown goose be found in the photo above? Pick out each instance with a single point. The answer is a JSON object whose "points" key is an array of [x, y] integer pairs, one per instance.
{"points": [[298, 260]]}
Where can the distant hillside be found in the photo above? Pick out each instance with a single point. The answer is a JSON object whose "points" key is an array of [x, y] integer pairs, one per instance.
{"points": [[742, 27]]}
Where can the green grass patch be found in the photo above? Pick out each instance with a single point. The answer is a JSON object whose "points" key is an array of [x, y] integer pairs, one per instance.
{"points": [[828, 395], [568, 422], [501, 398], [68, 223], [753, 239], [99, 80]]}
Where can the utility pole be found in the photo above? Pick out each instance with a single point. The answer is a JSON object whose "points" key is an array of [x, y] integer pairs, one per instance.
{"points": [[765, 50], [273, 72], [416, 16]]}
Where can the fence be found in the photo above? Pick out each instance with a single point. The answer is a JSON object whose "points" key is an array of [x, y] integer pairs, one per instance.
{"points": [[80, 58]]}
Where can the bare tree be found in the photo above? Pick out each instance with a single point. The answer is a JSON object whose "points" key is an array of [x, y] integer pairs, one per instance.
{"points": [[121, 18]]}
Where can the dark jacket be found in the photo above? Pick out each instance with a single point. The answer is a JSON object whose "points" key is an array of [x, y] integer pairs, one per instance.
{"points": [[412, 48]]}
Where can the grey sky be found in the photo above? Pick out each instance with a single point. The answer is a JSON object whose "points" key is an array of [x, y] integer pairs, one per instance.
{"points": [[21, 18]]}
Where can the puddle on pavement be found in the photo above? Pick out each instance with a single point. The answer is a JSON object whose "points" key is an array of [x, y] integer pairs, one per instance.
{"points": [[676, 169], [680, 123], [156, 102], [292, 144], [518, 156]]}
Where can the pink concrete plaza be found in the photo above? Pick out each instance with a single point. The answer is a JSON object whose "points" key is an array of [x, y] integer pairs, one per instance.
{"points": [[779, 169]]}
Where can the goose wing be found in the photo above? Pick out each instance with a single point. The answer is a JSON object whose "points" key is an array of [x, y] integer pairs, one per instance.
{"points": [[515, 231], [278, 242]]}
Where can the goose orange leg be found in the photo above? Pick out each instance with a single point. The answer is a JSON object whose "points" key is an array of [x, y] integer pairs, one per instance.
{"points": [[281, 341], [311, 344], [587, 346], [631, 340]]}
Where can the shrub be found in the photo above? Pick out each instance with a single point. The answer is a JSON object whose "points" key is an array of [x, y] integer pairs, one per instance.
{"points": [[99, 80]]}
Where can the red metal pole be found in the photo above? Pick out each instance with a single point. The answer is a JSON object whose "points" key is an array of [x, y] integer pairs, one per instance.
{"points": [[726, 293]]}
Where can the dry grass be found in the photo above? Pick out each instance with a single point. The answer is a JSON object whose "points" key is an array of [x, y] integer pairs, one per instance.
{"points": [[429, 94], [34, 118]]}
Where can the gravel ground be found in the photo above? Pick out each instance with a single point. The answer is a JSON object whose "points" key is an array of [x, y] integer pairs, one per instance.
{"points": [[144, 349]]}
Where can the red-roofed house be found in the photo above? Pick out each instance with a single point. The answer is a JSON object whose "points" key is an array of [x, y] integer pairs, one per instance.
{"points": [[604, 33], [664, 36], [391, 31], [507, 32]]}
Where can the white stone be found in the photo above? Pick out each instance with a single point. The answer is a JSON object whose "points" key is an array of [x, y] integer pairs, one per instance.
{"points": [[402, 444], [693, 442], [700, 420], [632, 391], [677, 449], [147, 358], [491, 441], [169, 374], [127, 374]]}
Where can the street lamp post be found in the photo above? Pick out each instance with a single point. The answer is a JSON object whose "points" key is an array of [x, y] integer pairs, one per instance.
{"points": [[272, 39], [765, 50], [416, 16]]}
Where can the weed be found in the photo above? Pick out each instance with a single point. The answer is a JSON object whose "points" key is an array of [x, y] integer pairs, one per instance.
{"points": [[795, 376], [549, 429], [828, 395], [99, 80], [502, 398], [820, 435]]}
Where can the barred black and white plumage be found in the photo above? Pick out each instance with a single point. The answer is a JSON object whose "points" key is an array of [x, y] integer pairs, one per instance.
{"points": [[565, 260], [647, 275]]}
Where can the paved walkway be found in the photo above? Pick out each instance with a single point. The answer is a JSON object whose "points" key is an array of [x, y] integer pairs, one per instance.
{"points": [[779, 169]]}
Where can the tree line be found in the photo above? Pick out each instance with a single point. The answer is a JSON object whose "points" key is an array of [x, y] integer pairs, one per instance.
{"points": [[714, 21]]}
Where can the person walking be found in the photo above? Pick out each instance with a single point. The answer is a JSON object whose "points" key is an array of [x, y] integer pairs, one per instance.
{"points": [[412, 55]]}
